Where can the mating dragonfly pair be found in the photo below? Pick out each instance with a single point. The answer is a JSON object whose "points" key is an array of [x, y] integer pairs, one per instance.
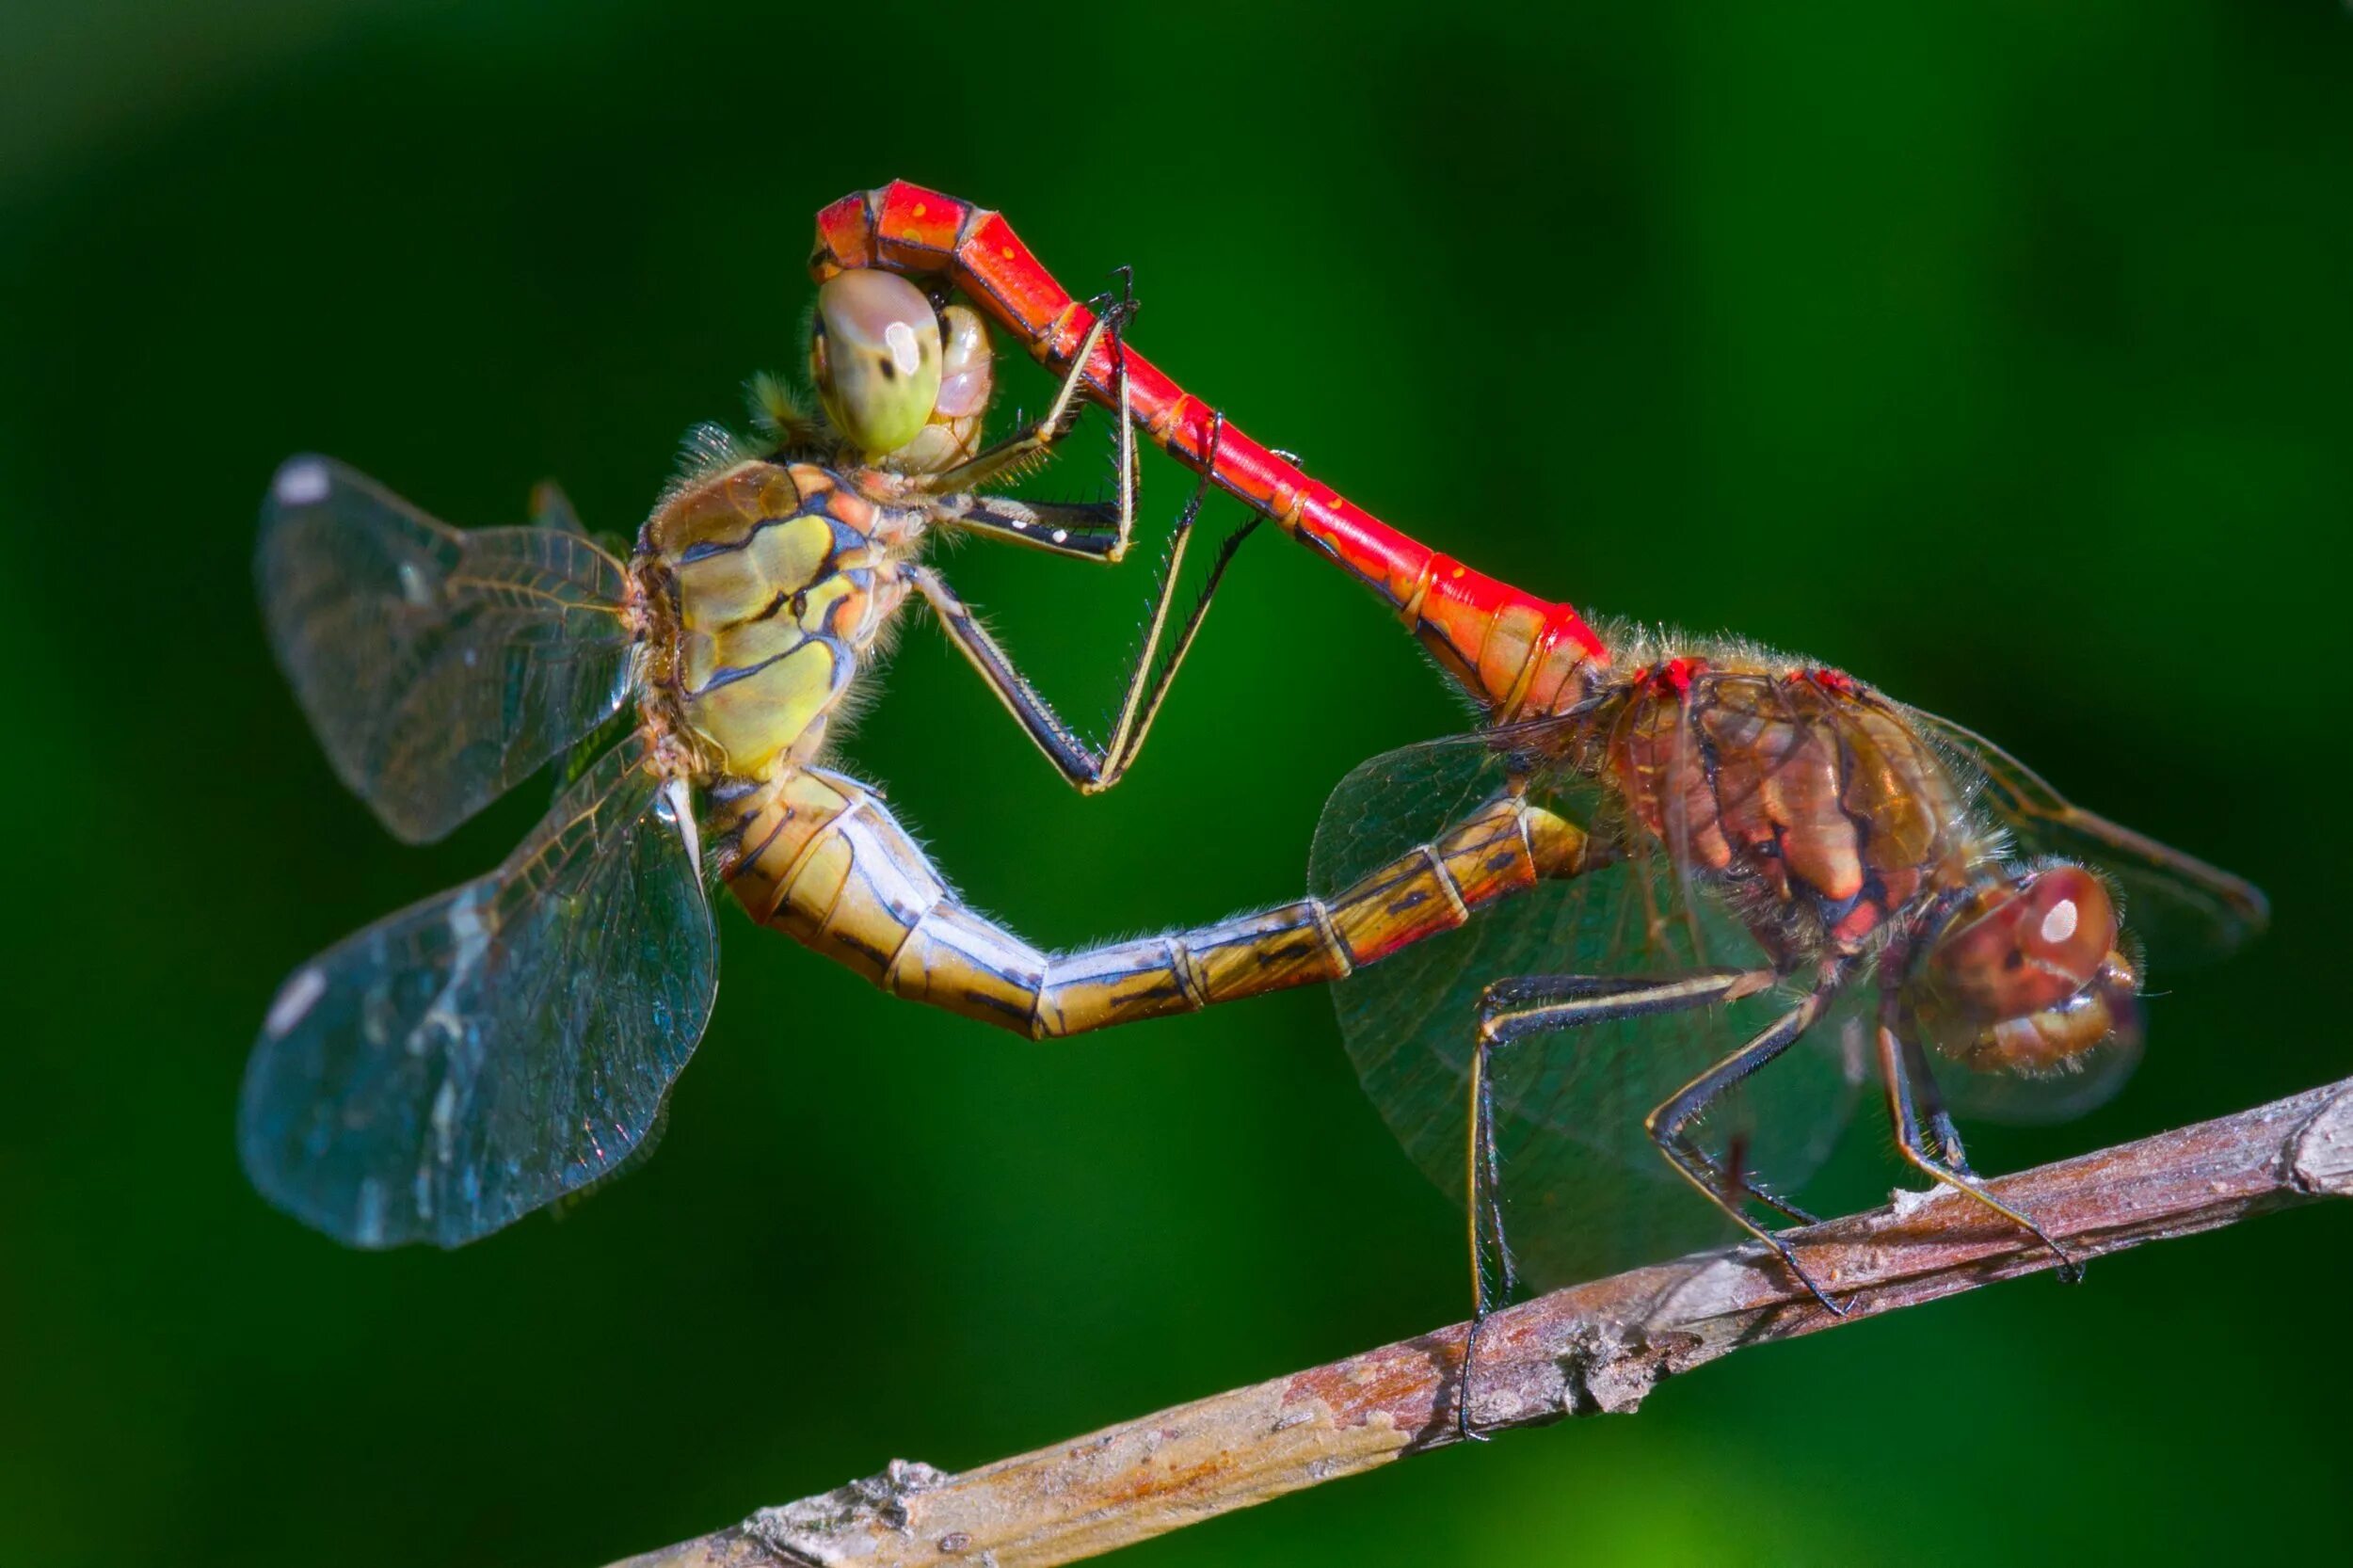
{"points": [[1675, 898]]}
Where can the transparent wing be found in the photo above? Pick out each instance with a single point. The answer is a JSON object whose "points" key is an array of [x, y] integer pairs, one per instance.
{"points": [[1585, 1191], [2181, 909], [464, 1062], [440, 667], [2088, 1081], [2184, 910]]}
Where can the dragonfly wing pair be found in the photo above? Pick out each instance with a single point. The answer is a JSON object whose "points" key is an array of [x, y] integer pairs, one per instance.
{"points": [[480, 1054], [439, 668], [1584, 1191], [2185, 911]]}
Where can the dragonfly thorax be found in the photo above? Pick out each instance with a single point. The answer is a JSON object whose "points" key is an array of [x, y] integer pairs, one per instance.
{"points": [[1794, 790], [771, 584]]}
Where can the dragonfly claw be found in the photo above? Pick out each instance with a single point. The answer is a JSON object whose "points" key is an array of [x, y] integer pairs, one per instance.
{"points": [[1462, 1428], [1830, 1304]]}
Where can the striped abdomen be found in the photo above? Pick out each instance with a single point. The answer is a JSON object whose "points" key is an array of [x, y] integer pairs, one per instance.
{"points": [[818, 856]]}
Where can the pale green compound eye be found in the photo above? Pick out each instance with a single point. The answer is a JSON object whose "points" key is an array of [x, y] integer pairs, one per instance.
{"points": [[875, 358]]}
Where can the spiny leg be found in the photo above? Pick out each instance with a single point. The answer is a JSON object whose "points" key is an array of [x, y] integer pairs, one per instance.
{"points": [[1669, 1124], [1743, 1188], [1509, 1012], [1146, 689], [1942, 1137], [1904, 1115], [1147, 686], [1062, 527], [1512, 1009]]}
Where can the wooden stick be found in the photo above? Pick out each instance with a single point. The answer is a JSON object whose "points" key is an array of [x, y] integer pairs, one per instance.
{"points": [[1580, 1352]]}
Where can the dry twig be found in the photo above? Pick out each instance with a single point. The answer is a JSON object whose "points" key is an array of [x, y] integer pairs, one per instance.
{"points": [[1584, 1351]]}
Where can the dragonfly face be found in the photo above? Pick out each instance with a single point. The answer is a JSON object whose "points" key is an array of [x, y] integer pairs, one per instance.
{"points": [[904, 382], [2028, 975]]}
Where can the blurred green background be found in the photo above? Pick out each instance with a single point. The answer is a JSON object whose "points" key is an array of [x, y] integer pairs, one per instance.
{"points": [[1998, 352]]}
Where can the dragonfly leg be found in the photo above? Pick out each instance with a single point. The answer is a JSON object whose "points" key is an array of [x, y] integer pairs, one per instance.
{"points": [[1669, 1125], [1012, 455], [1510, 1011], [819, 857], [1912, 1141], [1089, 770], [1781, 1205], [1061, 528], [1940, 1137]]}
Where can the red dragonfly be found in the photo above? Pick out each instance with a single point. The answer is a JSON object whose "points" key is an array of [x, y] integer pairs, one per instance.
{"points": [[1681, 898]]}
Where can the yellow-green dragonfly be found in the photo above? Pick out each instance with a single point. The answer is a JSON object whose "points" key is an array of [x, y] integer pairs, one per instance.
{"points": [[495, 1046]]}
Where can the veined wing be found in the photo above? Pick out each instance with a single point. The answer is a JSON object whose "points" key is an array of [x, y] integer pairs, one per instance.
{"points": [[440, 667], [2181, 909], [2185, 911], [1585, 1191], [482, 1053]]}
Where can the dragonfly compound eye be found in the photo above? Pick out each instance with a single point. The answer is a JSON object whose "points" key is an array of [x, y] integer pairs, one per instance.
{"points": [[2066, 928], [967, 367], [2031, 974], [876, 357], [967, 377]]}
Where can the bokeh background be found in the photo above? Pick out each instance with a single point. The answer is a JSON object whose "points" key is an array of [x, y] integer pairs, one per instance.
{"points": [[1999, 352]]}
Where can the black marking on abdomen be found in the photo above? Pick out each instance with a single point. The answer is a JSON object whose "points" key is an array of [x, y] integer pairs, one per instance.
{"points": [[997, 1003]]}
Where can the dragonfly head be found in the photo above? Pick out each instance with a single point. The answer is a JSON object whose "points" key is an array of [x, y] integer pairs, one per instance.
{"points": [[904, 383], [2029, 974]]}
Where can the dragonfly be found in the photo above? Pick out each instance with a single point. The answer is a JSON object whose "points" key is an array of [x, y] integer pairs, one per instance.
{"points": [[1676, 902], [513, 1040]]}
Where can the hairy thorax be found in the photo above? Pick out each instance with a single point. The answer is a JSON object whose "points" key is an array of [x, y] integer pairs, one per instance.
{"points": [[769, 585], [1798, 790]]}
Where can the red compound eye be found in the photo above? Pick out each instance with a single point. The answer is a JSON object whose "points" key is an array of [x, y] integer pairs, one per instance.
{"points": [[2066, 924], [2038, 944]]}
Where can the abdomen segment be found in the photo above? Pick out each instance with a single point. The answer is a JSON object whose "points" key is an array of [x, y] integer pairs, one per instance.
{"points": [[1513, 651], [820, 857]]}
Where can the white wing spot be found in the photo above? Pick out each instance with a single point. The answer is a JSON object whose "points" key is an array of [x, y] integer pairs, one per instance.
{"points": [[444, 1121], [1062, 535], [412, 585], [2059, 924], [908, 355], [294, 1000], [682, 807], [302, 484]]}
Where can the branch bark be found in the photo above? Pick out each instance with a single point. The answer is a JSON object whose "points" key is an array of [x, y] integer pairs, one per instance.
{"points": [[1588, 1349]]}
